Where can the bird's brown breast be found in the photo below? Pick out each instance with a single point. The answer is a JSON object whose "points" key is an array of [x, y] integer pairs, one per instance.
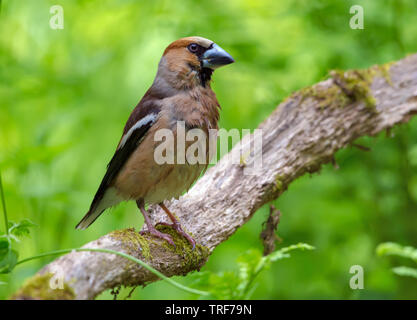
{"points": [[142, 177]]}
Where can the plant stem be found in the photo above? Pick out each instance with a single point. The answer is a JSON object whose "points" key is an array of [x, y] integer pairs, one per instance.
{"points": [[124, 255], [3, 201]]}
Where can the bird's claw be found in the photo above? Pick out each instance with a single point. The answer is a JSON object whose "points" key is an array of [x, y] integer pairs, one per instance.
{"points": [[177, 227], [159, 235]]}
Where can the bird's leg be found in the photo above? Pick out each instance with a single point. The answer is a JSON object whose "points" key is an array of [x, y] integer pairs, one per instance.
{"points": [[176, 225], [151, 229]]}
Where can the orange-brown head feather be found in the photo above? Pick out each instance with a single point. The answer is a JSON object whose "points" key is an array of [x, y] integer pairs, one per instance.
{"points": [[185, 62]]}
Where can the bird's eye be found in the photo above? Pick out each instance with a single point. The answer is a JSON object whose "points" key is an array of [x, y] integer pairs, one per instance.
{"points": [[193, 47]]}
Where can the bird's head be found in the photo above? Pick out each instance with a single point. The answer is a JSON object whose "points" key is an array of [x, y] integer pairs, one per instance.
{"points": [[190, 61]]}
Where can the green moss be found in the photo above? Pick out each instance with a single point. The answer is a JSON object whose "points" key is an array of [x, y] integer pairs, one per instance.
{"points": [[133, 241], [348, 87], [242, 161], [278, 183], [355, 84], [39, 288], [243, 158], [192, 258], [327, 96], [384, 70], [303, 93]]}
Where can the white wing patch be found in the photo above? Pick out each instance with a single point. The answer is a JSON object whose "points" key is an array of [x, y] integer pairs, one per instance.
{"points": [[144, 121]]}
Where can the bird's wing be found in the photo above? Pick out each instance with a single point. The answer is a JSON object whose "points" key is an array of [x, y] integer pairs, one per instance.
{"points": [[139, 123]]}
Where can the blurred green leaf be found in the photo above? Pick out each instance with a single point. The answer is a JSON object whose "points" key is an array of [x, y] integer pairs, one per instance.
{"points": [[395, 249], [8, 260], [20, 229], [241, 285], [283, 253], [4, 246], [405, 271]]}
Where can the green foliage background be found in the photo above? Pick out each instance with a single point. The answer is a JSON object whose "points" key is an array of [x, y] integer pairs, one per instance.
{"points": [[65, 95]]}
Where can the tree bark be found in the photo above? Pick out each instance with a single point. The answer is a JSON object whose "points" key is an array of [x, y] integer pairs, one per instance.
{"points": [[303, 133]]}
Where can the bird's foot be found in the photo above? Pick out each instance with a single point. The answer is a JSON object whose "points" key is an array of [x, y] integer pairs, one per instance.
{"points": [[177, 227], [159, 234]]}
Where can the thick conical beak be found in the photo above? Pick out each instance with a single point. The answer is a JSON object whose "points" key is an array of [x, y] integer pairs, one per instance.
{"points": [[216, 57]]}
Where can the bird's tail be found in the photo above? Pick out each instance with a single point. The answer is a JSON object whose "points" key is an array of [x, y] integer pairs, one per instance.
{"points": [[98, 206], [88, 219]]}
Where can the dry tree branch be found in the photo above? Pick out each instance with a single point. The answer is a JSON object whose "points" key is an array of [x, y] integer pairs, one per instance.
{"points": [[268, 235], [303, 133]]}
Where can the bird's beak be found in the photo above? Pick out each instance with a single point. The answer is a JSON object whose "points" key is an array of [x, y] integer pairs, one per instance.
{"points": [[216, 57]]}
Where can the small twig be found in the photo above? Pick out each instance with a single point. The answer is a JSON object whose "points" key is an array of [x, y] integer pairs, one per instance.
{"points": [[115, 292], [130, 293], [341, 84], [268, 235], [334, 164], [361, 147]]}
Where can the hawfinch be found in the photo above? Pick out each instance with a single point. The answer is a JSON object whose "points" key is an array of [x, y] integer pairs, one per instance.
{"points": [[180, 93]]}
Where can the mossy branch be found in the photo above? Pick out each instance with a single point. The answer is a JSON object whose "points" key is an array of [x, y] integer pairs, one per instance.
{"points": [[303, 133], [41, 283]]}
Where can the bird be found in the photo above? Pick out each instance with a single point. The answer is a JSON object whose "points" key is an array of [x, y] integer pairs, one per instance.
{"points": [[180, 93]]}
